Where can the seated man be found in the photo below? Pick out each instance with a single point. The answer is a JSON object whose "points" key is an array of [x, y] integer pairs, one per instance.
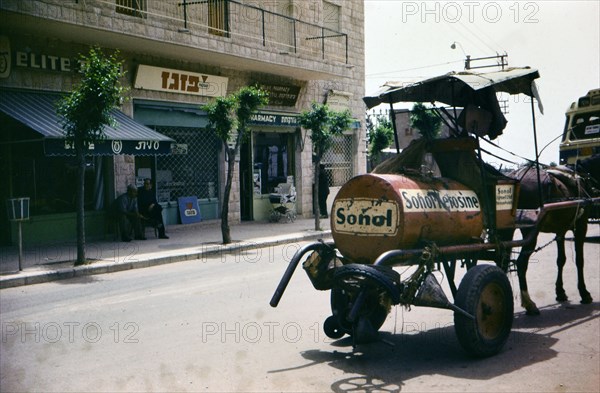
{"points": [[128, 216], [150, 208]]}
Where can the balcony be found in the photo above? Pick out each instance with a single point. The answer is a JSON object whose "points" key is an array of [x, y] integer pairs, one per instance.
{"points": [[224, 33]]}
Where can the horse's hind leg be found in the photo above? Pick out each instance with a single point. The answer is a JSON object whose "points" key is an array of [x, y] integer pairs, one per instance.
{"points": [[522, 265], [580, 233], [561, 258]]}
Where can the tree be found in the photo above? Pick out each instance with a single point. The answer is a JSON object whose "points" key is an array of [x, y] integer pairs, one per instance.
{"points": [[229, 117], [381, 134], [84, 113], [324, 125], [424, 120]]}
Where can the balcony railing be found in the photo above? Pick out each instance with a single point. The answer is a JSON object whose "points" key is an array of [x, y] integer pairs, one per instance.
{"points": [[249, 25]]}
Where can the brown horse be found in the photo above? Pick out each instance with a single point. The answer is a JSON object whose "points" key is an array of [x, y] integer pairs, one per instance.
{"points": [[560, 183]]}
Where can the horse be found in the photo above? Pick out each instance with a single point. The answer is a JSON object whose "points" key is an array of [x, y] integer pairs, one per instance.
{"points": [[557, 184]]}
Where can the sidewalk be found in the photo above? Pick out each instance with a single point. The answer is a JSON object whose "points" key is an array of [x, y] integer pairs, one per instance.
{"points": [[187, 242]]}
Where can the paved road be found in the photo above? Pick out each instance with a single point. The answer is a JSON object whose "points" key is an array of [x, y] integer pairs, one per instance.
{"points": [[206, 325]]}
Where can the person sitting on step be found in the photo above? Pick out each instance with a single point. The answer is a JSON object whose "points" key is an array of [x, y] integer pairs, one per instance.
{"points": [[150, 208]]}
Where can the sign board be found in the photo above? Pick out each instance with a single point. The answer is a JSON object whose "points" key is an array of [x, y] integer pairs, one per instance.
{"points": [[178, 81], [338, 101], [429, 201], [274, 119], [369, 217], [282, 95], [189, 210], [56, 146]]}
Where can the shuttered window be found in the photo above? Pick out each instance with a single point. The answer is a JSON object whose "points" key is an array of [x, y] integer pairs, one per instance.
{"points": [[218, 17], [132, 7]]}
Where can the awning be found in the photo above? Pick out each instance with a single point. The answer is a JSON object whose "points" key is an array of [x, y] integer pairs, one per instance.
{"points": [[37, 110]]}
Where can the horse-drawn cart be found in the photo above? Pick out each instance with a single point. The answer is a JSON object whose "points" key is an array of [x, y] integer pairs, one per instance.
{"points": [[400, 216]]}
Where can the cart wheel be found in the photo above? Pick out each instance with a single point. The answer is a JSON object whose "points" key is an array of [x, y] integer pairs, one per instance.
{"points": [[484, 292], [380, 285], [332, 328]]}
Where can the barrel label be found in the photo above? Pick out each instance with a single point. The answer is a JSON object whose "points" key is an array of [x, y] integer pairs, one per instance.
{"points": [[364, 216], [439, 201], [504, 196]]}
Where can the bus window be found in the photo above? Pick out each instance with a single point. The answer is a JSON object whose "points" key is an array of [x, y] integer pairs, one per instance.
{"points": [[586, 126], [581, 135]]}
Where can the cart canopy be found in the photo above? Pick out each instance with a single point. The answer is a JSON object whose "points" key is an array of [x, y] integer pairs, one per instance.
{"points": [[463, 89], [457, 88]]}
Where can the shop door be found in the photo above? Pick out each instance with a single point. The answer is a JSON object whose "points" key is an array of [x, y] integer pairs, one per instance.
{"points": [[246, 184]]}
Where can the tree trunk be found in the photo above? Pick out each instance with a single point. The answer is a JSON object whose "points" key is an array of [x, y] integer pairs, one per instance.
{"points": [[80, 203], [225, 208]]}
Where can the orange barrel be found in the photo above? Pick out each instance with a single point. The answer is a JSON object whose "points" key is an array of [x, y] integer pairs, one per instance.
{"points": [[376, 213]]}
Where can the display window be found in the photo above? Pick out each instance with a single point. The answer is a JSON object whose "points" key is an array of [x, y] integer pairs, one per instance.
{"points": [[273, 160]]}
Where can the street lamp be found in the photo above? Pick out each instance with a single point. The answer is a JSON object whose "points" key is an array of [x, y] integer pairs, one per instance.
{"points": [[467, 57]]}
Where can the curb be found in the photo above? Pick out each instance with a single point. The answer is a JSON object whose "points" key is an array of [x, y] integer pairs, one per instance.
{"points": [[101, 267]]}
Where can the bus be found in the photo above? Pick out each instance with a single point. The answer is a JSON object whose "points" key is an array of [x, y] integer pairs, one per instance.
{"points": [[581, 136]]}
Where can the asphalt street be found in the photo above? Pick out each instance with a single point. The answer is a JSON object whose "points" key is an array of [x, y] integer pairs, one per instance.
{"points": [[206, 325]]}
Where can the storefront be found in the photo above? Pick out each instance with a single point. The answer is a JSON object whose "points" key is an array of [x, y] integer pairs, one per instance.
{"points": [[192, 168], [38, 163], [268, 159]]}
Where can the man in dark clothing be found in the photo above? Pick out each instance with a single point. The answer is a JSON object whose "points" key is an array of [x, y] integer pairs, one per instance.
{"points": [[323, 191], [128, 215], [150, 208]]}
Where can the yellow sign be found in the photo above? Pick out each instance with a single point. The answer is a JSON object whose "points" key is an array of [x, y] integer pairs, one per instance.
{"points": [[178, 81]]}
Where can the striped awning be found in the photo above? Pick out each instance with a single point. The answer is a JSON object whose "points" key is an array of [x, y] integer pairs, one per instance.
{"points": [[37, 110]]}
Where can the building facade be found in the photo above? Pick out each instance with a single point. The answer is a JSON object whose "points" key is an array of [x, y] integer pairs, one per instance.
{"points": [[178, 55]]}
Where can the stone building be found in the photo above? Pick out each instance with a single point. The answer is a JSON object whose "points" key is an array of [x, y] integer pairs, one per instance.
{"points": [[178, 55]]}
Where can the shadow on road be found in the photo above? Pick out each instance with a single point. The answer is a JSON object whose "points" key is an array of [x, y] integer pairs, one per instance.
{"points": [[387, 364]]}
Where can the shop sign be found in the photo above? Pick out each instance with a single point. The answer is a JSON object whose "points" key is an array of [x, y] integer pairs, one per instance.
{"points": [[56, 146], [338, 101], [282, 95], [178, 81], [274, 119], [31, 60]]}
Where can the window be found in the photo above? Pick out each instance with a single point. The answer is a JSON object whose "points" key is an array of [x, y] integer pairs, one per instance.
{"points": [[338, 160], [132, 7], [331, 16], [50, 182], [586, 126], [273, 159], [192, 168], [218, 17], [285, 26]]}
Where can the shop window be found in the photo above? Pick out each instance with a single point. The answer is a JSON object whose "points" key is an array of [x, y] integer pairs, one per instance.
{"points": [[338, 160], [273, 159], [132, 7], [192, 168], [218, 17], [51, 182]]}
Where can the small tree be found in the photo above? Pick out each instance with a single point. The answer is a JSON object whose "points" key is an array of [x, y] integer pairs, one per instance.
{"points": [[225, 115], [84, 113], [424, 120], [380, 134], [324, 124]]}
